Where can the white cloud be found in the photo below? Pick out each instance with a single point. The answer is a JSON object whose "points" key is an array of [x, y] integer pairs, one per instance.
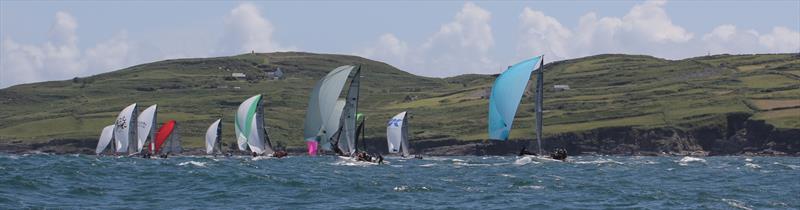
{"points": [[458, 47], [247, 30], [645, 29], [729, 39], [59, 57], [781, 39], [537, 28], [389, 49], [651, 22]]}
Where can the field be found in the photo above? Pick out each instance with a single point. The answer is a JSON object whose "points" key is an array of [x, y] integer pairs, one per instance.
{"points": [[605, 91]]}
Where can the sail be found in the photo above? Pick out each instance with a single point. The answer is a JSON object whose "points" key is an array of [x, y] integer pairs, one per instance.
{"points": [[212, 136], [163, 135], [173, 143], [506, 95], [256, 139], [404, 146], [105, 139], [394, 132], [349, 114], [244, 120], [125, 128], [322, 101], [312, 147], [331, 125], [360, 131], [539, 105], [146, 122]]}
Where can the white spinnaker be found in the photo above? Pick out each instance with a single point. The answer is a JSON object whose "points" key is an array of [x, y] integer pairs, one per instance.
{"points": [[123, 127], [105, 139], [394, 132], [147, 128], [331, 124], [211, 136], [242, 115]]}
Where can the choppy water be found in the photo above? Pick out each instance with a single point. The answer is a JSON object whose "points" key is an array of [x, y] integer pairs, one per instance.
{"points": [[79, 181]]}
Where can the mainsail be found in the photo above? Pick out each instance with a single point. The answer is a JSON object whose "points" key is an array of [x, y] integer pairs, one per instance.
{"points": [[105, 139], [125, 129], [506, 95], [349, 114], [146, 122], [322, 102], [331, 125], [397, 134], [214, 137]]}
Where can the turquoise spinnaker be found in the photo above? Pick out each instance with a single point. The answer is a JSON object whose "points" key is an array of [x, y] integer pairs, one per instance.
{"points": [[506, 95]]}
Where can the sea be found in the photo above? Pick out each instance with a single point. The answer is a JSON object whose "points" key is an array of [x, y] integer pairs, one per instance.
{"points": [[46, 181]]}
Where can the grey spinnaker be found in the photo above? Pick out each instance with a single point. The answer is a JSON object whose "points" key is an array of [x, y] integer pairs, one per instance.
{"points": [[321, 103]]}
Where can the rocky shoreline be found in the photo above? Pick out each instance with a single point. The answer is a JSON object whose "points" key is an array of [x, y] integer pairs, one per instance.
{"points": [[740, 136]]}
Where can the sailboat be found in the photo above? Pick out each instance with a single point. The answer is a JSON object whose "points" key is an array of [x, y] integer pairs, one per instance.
{"points": [[250, 128], [214, 138], [105, 139], [167, 140], [506, 95], [322, 103], [146, 126], [397, 134], [125, 130]]}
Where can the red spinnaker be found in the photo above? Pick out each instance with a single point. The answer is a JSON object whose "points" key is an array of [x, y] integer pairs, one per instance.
{"points": [[163, 133]]}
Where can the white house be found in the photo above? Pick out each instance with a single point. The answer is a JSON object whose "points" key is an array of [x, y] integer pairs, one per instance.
{"points": [[238, 75], [561, 87]]}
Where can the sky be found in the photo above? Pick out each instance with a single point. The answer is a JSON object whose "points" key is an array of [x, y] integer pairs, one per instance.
{"points": [[58, 40]]}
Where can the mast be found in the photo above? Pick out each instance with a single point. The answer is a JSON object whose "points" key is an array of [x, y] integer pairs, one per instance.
{"points": [[539, 103]]}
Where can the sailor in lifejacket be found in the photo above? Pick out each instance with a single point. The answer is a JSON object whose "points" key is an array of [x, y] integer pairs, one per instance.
{"points": [[279, 154], [559, 154]]}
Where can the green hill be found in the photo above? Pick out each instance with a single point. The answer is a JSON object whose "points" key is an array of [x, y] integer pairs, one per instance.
{"points": [[605, 91]]}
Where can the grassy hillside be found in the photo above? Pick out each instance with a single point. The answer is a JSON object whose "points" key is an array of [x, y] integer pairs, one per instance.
{"points": [[606, 90]]}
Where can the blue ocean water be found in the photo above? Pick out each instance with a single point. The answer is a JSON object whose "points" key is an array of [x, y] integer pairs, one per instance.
{"points": [[590, 182]]}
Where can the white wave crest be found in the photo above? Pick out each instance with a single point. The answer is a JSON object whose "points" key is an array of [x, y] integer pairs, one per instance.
{"points": [[687, 160], [600, 161], [260, 158], [351, 161], [428, 165], [752, 165], [194, 163], [736, 204], [793, 167]]}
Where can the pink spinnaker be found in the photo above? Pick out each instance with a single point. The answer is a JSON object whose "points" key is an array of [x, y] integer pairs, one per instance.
{"points": [[312, 148]]}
